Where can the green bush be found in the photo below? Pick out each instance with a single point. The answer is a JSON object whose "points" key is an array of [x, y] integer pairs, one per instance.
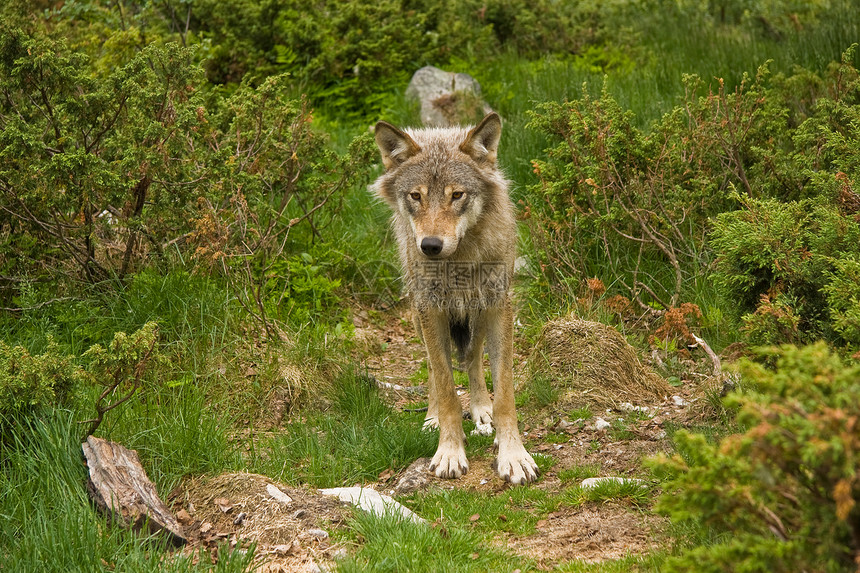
{"points": [[782, 496], [843, 297], [105, 176], [351, 55], [789, 267], [29, 381], [609, 190], [756, 183]]}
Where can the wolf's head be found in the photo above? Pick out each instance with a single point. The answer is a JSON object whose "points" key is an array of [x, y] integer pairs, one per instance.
{"points": [[440, 180]]}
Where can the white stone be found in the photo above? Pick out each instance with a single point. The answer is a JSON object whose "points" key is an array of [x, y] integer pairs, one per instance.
{"points": [[678, 401], [372, 501], [318, 533], [601, 424], [594, 482], [277, 494], [628, 407]]}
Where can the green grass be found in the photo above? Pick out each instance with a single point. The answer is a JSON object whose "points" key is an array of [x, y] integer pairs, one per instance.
{"points": [[47, 522], [393, 545], [629, 492], [177, 431], [354, 441], [648, 562], [519, 508], [579, 472]]}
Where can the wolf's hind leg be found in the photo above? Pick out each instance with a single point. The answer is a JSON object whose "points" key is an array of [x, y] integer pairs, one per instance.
{"points": [[480, 403], [431, 420]]}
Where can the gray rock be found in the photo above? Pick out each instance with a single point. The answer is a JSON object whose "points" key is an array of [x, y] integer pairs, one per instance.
{"points": [[416, 477], [447, 98]]}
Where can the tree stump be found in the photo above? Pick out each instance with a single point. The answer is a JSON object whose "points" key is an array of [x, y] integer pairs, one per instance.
{"points": [[119, 487]]}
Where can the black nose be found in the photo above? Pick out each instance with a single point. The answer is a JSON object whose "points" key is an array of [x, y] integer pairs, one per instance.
{"points": [[431, 246]]}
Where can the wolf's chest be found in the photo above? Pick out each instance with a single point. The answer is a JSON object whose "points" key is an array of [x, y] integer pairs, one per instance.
{"points": [[457, 286]]}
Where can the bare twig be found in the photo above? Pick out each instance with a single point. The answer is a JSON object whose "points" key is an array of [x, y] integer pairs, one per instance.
{"points": [[718, 370]]}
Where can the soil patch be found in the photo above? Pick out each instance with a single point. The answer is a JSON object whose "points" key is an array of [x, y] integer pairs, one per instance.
{"points": [[290, 526], [588, 534]]}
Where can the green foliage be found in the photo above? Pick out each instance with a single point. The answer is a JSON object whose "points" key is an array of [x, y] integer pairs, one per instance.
{"points": [[81, 157], [656, 207], [843, 298], [124, 357], [350, 55], [521, 510], [29, 382], [629, 492], [102, 176], [635, 198], [579, 472], [119, 366], [357, 440], [399, 545], [47, 521], [788, 263], [784, 492]]}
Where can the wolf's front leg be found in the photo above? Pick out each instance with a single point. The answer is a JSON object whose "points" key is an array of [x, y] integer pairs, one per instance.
{"points": [[450, 459], [513, 463]]}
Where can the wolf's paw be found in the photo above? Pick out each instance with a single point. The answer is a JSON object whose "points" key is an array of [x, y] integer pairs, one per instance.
{"points": [[449, 464], [483, 418], [430, 424], [515, 465]]}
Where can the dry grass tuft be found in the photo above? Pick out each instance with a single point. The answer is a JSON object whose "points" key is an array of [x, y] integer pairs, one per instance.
{"points": [[592, 364]]}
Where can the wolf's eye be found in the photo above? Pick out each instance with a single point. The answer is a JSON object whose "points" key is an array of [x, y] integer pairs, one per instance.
{"points": [[456, 194], [416, 196]]}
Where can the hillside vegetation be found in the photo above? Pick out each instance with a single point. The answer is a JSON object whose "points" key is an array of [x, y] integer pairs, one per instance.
{"points": [[190, 263]]}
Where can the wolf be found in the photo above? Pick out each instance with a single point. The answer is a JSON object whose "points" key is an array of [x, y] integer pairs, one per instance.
{"points": [[456, 233]]}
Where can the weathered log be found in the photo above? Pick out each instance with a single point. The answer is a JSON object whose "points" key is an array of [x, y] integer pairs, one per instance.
{"points": [[119, 487]]}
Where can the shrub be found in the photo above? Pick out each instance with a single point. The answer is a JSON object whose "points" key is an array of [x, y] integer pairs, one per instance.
{"points": [[761, 178], [789, 266], [103, 176], [781, 496], [608, 190], [29, 381]]}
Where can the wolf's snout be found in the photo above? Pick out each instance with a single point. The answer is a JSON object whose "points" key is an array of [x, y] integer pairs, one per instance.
{"points": [[431, 246]]}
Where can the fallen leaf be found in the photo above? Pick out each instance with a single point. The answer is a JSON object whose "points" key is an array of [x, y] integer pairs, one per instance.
{"points": [[475, 518], [223, 504]]}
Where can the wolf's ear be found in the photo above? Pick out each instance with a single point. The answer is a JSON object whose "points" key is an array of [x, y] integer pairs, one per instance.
{"points": [[395, 145], [482, 143]]}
